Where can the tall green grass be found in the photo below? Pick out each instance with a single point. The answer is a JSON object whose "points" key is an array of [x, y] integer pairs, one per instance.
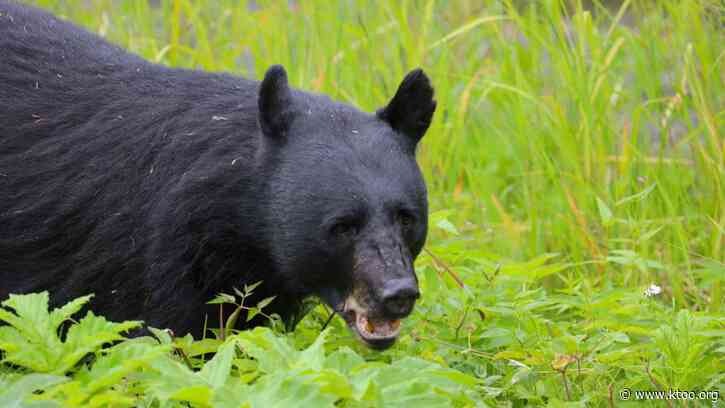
{"points": [[577, 156], [592, 133]]}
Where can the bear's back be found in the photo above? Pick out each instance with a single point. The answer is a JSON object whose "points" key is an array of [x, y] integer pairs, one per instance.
{"points": [[96, 146], [34, 40]]}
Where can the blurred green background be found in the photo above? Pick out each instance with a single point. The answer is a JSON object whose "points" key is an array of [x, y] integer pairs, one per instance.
{"points": [[590, 130]]}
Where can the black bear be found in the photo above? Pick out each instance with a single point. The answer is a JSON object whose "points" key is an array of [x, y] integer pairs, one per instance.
{"points": [[156, 188]]}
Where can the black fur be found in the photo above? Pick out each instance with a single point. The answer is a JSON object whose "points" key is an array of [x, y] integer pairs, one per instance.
{"points": [[156, 188], [275, 102], [411, 109]]}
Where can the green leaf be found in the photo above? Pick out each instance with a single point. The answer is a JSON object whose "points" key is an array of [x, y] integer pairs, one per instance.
{"points": [[118, 362], [88, 336], [638, 196], [283, 390], [171, 380], [18, 393], [204, 346], [31, 317], [619, 337], [161, 334], [272, 352], [313, 356], [252, 312], [38, 357], [216, 371], [440, 220], [496, 332], [649, 234], [248, 289], [343, 360], [65, 312], [604, 212], [231, 323], [222, 298], [265, 302]]}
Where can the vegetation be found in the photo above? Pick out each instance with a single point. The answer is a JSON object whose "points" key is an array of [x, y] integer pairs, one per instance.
{"points": [[576, 168]]}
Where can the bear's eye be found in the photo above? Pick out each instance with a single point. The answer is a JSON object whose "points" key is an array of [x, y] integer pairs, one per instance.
{"points": [[344, 229], [405, 218]]}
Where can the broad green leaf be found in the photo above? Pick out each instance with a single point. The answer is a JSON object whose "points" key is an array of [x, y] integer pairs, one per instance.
{"points": [[343, 360], [272, 352], [18, 394], [216, 371], [30, 317], [283, 389], [89, 335], [65, 312], [313, 357], [163, 336], [118, 362], [171, 380]]}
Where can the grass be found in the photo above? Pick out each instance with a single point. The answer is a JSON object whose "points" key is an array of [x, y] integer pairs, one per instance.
{"points": [[576, 158]]}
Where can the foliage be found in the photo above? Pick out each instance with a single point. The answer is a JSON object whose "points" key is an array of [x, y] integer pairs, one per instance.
{"points": [[251, 368], [575, 160]]}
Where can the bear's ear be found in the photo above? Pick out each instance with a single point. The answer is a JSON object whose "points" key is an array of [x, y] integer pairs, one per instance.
{"points": [[275, 102], [411, 109]]}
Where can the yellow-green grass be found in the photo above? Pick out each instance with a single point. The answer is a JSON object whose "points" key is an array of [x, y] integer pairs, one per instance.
{"points": [[551, 119]]}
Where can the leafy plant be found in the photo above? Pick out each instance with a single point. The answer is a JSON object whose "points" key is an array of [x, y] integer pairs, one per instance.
{"points": [[32, 338], [240, 308], [256, 367]]}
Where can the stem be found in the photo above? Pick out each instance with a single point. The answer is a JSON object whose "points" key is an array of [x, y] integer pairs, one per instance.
{"points": [[221, 322], [445, 267], [611, 397], [328, 320], [566, 385]]}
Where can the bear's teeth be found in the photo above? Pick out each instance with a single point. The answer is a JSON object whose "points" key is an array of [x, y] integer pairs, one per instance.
{"points": [[384, 328], [370, 326]]}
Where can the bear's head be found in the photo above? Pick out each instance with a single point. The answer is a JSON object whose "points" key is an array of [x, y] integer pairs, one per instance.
{"points": [[346, 204]]}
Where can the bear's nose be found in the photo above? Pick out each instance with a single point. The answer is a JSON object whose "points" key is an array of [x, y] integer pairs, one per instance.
{"points": [[399, 296]]}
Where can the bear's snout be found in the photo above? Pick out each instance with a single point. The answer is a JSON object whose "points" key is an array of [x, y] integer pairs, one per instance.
{"points": [[399, 296]]}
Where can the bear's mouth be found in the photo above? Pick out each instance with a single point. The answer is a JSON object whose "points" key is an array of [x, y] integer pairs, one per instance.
{"points": [[376, 332]]}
